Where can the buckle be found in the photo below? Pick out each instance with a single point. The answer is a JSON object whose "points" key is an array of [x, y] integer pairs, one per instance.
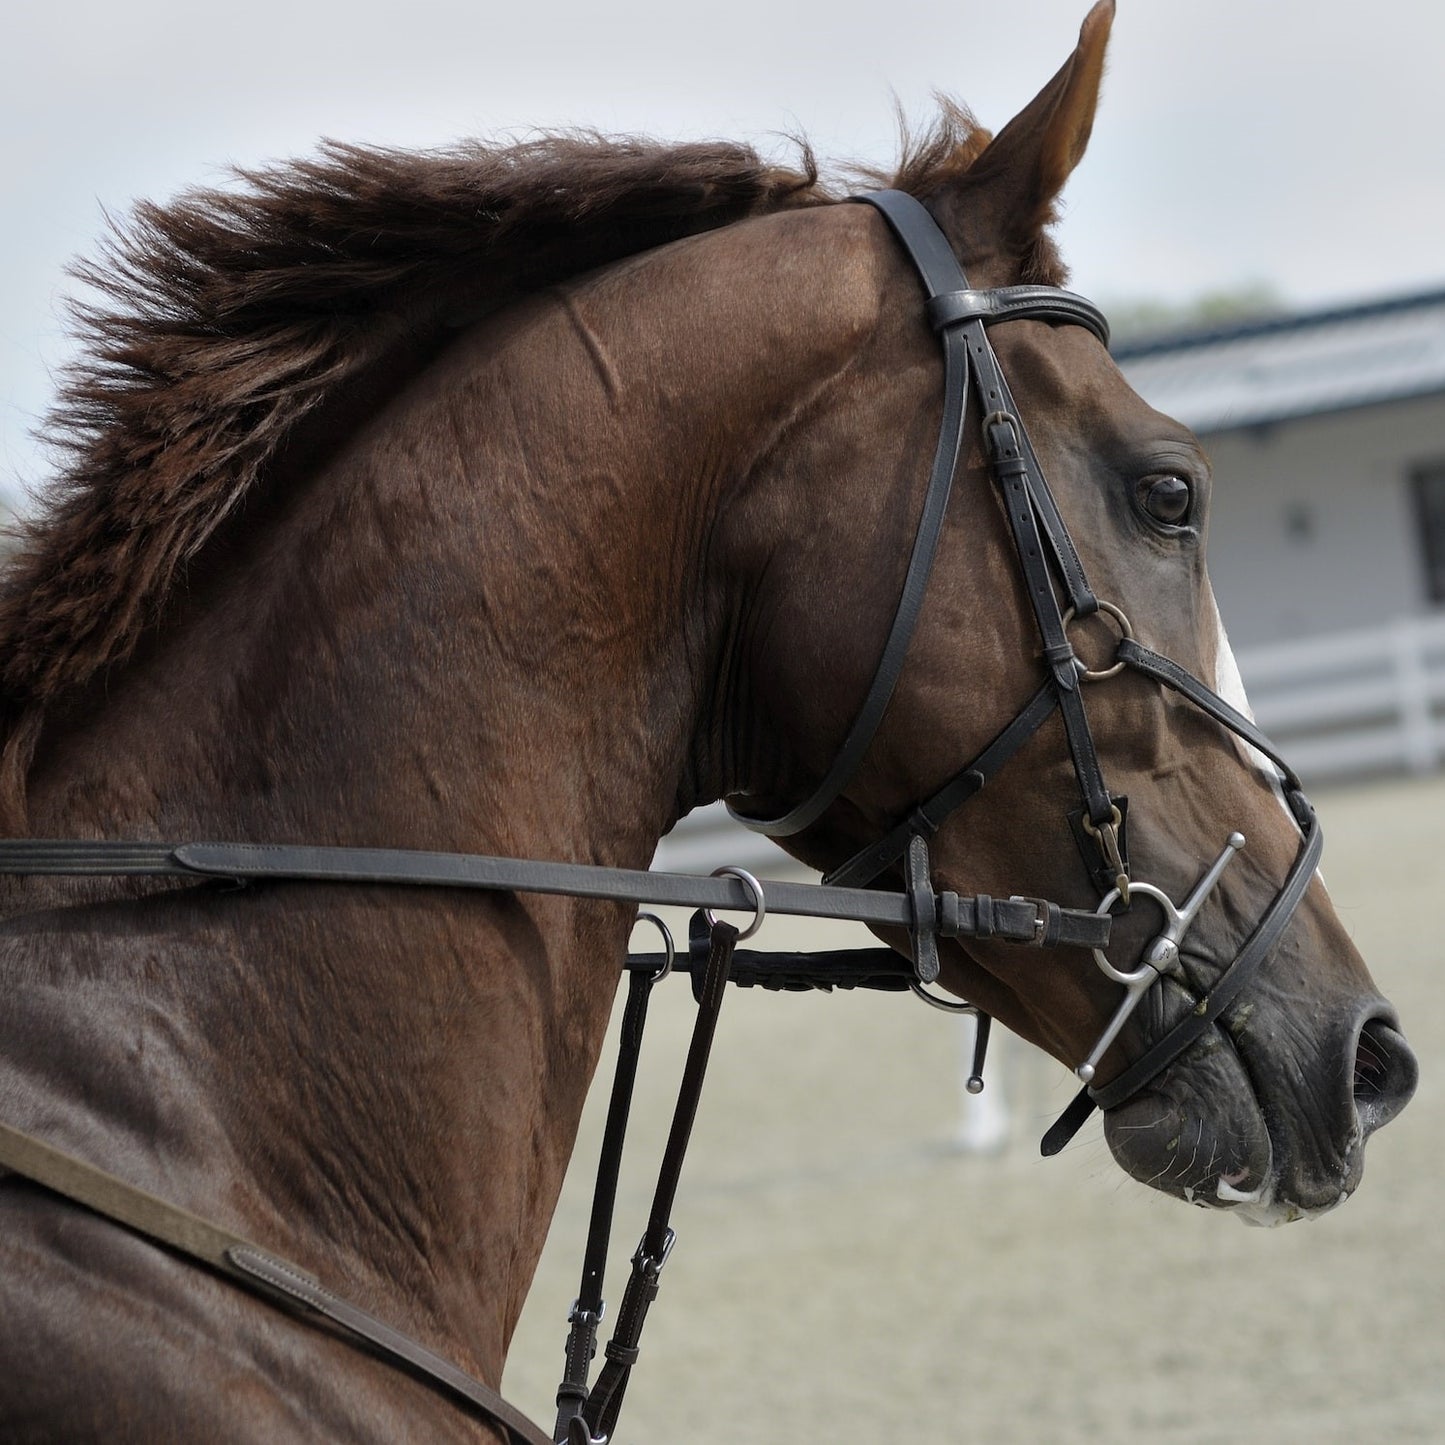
{"points": [[1001, 436], [1106, 835], [649, 1265]]}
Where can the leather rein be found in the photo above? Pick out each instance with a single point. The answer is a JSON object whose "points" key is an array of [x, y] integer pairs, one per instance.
{"points": [[1050, 565]]}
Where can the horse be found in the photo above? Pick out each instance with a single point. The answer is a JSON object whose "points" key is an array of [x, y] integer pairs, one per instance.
{"points": [[519, 500]]}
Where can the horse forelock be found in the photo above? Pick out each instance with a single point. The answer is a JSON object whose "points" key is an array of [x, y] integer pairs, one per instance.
{"points": [[226, 317]]}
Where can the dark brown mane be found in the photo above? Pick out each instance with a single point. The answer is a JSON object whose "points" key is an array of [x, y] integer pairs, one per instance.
{"points": [[228, 316]]}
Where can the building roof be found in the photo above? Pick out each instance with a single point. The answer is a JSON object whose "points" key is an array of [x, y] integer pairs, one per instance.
{"points": [[1258, 372]]}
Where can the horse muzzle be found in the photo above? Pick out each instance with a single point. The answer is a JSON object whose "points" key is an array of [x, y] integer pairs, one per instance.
{"points": [[1274, 1135]]}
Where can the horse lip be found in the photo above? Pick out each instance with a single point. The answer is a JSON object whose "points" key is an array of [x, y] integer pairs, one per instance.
{"points": [[1256, 1207], [1226, 1192]]}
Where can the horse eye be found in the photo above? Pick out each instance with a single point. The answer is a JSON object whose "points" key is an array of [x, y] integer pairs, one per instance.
{"points": [[1168, 499]]}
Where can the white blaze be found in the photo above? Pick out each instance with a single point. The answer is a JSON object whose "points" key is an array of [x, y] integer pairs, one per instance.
{"points": [[1259, 1207], [1230, 686]]}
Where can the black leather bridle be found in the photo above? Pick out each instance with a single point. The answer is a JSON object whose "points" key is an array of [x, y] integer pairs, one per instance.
{"points": [[1050, 567], [961, 317]]}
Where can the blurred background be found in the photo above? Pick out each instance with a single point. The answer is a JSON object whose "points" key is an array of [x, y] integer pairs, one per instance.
{"points": [[1285, 154], [863, 1252]]}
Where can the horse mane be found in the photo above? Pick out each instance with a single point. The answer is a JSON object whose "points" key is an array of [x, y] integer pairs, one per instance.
{"points": [[226, 317]]}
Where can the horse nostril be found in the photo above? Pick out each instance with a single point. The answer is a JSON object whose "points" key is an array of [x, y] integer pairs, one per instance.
{"points": [[1385, 1074]]}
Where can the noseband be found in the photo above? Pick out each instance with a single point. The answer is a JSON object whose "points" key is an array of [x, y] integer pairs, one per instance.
{"points": [[1050, 566]]}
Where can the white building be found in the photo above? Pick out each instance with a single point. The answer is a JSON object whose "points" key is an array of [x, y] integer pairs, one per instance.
{"points": [[1327, 433], [1327, 530]]}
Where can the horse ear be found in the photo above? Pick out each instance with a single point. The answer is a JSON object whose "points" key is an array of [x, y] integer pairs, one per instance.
{"points": [[1025, 166]]}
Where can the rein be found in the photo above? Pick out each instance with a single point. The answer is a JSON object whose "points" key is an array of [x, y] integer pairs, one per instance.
{"points": [[921, 912], [1050, 565]]}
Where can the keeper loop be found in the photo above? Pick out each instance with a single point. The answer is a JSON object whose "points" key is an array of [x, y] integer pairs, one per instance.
{"points": [[983, 922]]}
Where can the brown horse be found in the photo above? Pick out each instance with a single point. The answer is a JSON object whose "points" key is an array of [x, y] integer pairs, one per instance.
{"points": [[517, 502]]}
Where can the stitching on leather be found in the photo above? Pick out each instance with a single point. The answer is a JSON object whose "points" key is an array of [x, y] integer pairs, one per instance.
{"points": [[267, 1266]]}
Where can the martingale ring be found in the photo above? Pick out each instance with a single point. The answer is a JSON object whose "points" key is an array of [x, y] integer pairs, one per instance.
{"points": [[1125, 630], [760, 902], [944, 1005], [670, 956]]}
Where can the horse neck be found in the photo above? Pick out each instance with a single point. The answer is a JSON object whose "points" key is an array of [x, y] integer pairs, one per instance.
{"points": [[484, 626]]}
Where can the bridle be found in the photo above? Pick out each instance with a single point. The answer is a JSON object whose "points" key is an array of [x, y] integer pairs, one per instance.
{"points": [[961, 317], [1050, 566]]}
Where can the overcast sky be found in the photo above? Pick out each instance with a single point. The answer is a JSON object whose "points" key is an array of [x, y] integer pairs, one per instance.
{"points": [[1297, 142]]}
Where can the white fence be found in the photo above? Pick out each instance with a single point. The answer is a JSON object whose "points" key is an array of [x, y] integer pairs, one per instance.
{"points": [[1350, 704]]}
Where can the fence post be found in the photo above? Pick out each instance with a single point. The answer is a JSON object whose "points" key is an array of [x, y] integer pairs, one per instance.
{"points": [[1417, 725]]}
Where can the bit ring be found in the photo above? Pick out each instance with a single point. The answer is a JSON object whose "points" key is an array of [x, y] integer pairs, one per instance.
{"points": [[1106, 906]]}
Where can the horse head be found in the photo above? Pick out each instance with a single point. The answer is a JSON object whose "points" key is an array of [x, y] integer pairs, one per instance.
{"points": [[1266, 1107]]}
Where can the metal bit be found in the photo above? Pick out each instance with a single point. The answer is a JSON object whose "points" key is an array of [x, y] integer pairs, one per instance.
{"points": [[1161, 954]]}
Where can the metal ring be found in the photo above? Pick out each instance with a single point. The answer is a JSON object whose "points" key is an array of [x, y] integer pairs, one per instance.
{"points": [[671, 948], [1124, 631], [1106, 905], [1088, 825], [760, 902], [944, 1005]]}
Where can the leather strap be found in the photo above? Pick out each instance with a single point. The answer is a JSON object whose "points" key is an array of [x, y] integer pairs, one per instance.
{"points": [[264, 1273], [1149, 1065], [959, 315], [586, 1313], [605, 1401], [77, 857], [939, 271], [864, 866], [105, 1194], [254, 862], [881, 969], [1016, 303], [1012, 469], [1267, 932], [998, 398], [1166, 670], [918, 871], [284, 1277], [1227, 987], [1028, 504]]}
